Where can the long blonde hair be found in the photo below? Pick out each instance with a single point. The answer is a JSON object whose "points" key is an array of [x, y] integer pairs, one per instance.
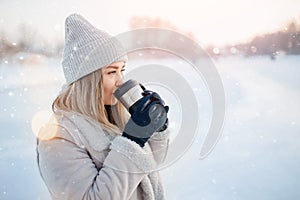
{"points": [[85, 96]]}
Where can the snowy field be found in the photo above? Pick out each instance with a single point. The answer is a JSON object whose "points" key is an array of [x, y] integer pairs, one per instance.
{"points": [[257, 157]]}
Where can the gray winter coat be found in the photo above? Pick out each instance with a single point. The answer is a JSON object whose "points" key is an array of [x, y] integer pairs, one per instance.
{"points": [[83, 161]]}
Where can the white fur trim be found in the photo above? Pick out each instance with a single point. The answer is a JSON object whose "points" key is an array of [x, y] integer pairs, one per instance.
{"points": [[160, 135], [143, 160]]}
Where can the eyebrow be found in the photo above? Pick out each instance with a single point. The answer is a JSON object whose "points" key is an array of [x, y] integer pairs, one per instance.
{"points": [[115, 67]]}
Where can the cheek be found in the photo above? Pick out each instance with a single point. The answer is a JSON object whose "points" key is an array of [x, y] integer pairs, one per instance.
{"points": [[108, 86]]}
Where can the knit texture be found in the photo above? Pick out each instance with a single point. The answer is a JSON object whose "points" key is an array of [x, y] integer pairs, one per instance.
{"points": [[87, 49]]}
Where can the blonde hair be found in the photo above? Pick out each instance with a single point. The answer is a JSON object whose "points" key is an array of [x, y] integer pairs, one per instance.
{"points": [[85, 96]]}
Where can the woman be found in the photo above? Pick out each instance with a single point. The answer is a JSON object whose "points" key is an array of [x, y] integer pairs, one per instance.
{"points": [[88, 150]]}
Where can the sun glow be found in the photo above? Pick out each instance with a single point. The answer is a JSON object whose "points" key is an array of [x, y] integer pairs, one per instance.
{"points": [[38, 122]]}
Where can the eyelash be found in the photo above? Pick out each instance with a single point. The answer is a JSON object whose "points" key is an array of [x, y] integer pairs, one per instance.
{"points": [[112, 72]]}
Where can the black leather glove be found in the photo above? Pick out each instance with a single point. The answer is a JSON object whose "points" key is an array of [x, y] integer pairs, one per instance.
{"points": [[148, 115]]}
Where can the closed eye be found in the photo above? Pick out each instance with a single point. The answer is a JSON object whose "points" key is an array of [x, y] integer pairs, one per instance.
{"points": [[112, 72]]}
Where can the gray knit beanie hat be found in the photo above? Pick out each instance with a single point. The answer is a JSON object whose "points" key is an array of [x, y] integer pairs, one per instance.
{"points": [[87, 49]]}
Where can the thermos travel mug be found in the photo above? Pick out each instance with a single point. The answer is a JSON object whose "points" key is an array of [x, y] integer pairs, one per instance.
{"points": [[128, 93]]}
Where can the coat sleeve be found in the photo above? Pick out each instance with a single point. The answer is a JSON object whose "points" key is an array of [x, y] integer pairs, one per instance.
{"points": [[70, 173], [159, 144]]}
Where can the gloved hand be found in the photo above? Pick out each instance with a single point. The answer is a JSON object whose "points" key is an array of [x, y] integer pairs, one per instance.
{"points": [[148, 115], [166, 124]]}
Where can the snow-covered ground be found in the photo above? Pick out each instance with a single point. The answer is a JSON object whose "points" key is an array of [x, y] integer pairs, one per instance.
{"points": [[257, 156]]}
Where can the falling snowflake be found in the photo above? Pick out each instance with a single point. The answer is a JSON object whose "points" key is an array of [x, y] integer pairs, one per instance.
{"points": [[293, 123], [214, 181], [216, 51]]}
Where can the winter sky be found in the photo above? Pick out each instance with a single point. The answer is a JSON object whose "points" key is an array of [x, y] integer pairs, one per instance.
{"points": [[212, 21]]}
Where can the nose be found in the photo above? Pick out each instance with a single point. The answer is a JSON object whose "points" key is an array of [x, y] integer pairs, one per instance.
{"points": [[119, 81]]}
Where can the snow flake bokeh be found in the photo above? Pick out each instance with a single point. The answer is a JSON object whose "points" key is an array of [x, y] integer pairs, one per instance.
{"points": [[256, 158]]}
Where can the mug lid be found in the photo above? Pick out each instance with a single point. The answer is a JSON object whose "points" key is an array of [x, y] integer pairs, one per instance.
{"points": [[120, 91]]}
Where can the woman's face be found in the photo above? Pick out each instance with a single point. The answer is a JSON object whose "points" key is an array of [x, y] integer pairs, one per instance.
{"points": [[112, 78]]}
